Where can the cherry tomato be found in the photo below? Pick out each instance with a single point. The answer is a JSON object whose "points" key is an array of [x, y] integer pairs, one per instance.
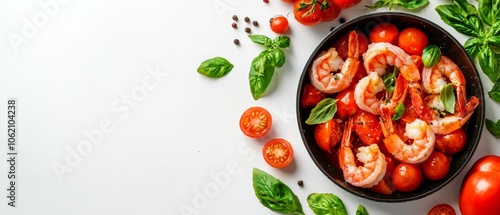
{"points": [[383, 188], [417, 59], [384, 32], [279, 24], [278, 153], [346, 105], [412, 41], [346, 3], [437, 166], [328, 134], [442, 209], [255, 122], [310, 96], [480, 190], [307, 12], [406, 177], [331, 12], [367, 127], [451, 143], [341, 44]]}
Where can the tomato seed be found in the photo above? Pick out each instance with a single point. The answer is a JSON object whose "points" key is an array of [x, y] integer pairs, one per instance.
{"points": [[236, 42], [235, 18], [234, 25], [248, 30], [255, 23], [247, 19]]}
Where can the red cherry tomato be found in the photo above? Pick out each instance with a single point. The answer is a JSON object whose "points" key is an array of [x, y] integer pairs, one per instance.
{"points": [[437, 166], [307, 12], [384, 32], [346, 105], [279, 24], [346, 3], [442, 209], [255, 122], [480, 190], [328, 134], [278, 153], [331, 12], [451, 143], [412, 41], [341, 44], [367, 127], [310, 96], [383, 188], [406, 177]]}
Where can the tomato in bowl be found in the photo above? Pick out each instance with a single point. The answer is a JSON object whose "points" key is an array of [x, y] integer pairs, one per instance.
{"points": [[372, 130]]}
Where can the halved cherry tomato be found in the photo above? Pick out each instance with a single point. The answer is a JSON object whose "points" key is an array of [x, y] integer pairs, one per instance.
{"points": [[341, 44], [328, 134], [367, 127], [384, 32], [346, 3], [406, 177], [278, 153], [307, 12], [279, 24], [412, 41], [442, 209], [451, 143], [437, 166], [310, 96], [331, 12], [346, 105], [255, 122]]}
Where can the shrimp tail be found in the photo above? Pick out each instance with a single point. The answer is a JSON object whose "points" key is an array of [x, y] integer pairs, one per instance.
{"points": [[461, 101], [423, 110]]}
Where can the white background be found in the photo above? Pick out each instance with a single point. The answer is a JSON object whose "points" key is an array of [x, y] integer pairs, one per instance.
{"points": [[176, 144]]}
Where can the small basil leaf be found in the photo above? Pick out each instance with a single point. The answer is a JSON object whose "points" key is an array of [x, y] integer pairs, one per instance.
{"points": [[472, 46], [274, 194], [493, 128], [279, 57], [282, 41], [261, 74], [489, 63], [322, 112], [261, 40], [215, 67], [431, 55], [399, 111], [495, 91], [390, 80], [447, 97], [489, 10], [326, 204], [361, 210]]}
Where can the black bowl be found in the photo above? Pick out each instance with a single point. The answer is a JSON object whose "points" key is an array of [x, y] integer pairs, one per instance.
{"points": [[451, 48]]}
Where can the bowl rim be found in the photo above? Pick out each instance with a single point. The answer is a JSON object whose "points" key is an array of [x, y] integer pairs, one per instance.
{"points": [[480, 110]]}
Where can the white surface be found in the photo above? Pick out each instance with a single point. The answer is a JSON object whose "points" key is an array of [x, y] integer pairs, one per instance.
{"points": [[165, 149]]}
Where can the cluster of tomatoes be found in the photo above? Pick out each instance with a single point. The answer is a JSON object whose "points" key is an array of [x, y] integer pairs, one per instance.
{"points": [[312, 12], [405, 177]]}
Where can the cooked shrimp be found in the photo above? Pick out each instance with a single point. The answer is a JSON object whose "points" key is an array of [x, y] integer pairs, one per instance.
{"points": [[418, 132], [322, 73], [374, 163], [447, 124], [436, 77], [423, 110], [381, 55]]}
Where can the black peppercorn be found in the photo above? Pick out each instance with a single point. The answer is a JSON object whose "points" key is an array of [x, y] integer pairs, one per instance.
{"points": [[255, 23], [235, 18], [236, 42], [248, 30], [247, 19], [300, 183]]}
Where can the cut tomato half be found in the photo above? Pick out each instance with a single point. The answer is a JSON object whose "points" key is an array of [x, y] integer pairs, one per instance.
{"points": [[255, 122], [278, 153]]}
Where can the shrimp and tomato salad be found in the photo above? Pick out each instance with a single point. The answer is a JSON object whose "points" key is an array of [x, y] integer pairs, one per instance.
{"points": [[391, 129]]}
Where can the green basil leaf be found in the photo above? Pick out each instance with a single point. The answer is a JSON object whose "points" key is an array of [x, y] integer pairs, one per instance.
{"points": [[278, 56], [399, 111], [472, 46], [489, 10], [390, 80], [361, 210], [326, 204], [462, 20], [322, 112], [408, 4], [493, 128], [489, 63], [261, 74], [380, 3], [281, 41], [495, 91], [261, 40], [431, 55], [447, 97], [494, 29], [215, 67], [494, 40], [274, 194], [465, 7]]}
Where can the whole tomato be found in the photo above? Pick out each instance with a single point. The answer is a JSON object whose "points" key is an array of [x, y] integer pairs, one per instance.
{"points": [[346, 3], [480, 190], [330, 12], [307, 12]]}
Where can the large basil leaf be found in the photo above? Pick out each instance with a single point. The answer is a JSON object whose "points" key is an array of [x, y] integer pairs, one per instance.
{"points": [[261, 40], [408, 4], [461, 19], [489, 10], [489, 63], [326, 204], [493, 128], [215, 67], [495, 91], [322, 112], [447, 97], [274, 194], [261, 74], [278, 56], [472, 46]]}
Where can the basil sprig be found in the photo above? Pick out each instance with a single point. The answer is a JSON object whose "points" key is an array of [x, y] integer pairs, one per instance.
{"points": [[408, 4], [326, 204], [263, 66], [274, 194], [215, 67], [322, 112]]}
